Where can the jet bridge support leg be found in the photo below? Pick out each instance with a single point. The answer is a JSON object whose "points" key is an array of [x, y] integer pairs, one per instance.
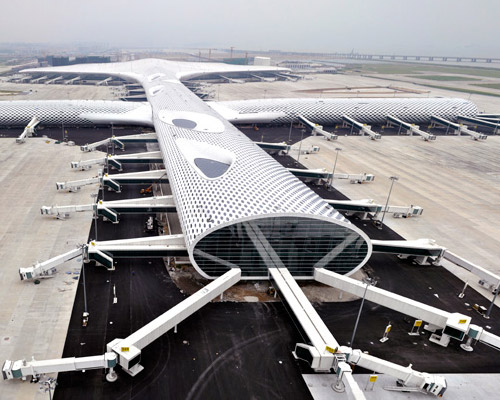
{"points": [[454, 325], [322, 353], [129, 349], [126, 352], [325, 354]]}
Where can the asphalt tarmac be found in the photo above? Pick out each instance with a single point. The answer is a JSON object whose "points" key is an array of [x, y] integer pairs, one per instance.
{"points": [[243, 350], [279, 134]]}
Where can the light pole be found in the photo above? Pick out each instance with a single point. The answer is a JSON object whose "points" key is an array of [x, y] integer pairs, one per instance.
{"points": [[62, 124], [337, 149], [490, 308], [112, 138], [392, 178], [290, 132], [300, 144], [95, 216], [368, 282], [85, 315]]}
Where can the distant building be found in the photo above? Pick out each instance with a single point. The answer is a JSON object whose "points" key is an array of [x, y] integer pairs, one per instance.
{"points": [[56, 61], [265, 61]]}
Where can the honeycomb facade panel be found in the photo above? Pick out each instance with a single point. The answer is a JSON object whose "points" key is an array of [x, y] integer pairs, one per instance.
{"points": [[55, 112], [252, 208], [371, 111]]}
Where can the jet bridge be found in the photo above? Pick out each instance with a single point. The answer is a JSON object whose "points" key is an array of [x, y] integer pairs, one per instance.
{"points": [[289, 77], [368, 207], [480, 122], [281, 148], [22, 368], [362, 128], [232, 80], [129, 349], [103, 253], [110, 210], [495, 118], [316, 129], [29, 130], [127, 352], [54, 80], [323, 352], [409, 129], [321, 174], [104, 82], [116, 161], [421, 249], [37, 80], [487, 279], [114, 181], [263, 78], [456, 129], [47, 268], [486, 116], [453, 325], [72, 80], [120, 141]]}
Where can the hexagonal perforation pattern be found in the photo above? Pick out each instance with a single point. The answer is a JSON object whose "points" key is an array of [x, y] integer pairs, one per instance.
{"points": [[20, 112], [330, 111]]}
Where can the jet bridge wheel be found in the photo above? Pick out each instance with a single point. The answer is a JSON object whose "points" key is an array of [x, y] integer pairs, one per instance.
{"points": [[338, 386], [111, 376]]}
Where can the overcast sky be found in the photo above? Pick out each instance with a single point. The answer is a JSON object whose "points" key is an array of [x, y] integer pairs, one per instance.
{"points": [[434, 27]]}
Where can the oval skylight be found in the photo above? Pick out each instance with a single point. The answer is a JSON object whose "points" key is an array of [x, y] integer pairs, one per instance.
{"points": [[209, 161], [184, 123], [191, 120], [211, 168]]}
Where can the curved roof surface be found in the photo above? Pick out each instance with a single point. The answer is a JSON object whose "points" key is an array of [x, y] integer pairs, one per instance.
{"points": [[254, 184]]}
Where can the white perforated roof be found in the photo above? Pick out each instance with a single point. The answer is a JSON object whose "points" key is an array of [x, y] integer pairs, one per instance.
{"points": [[78, 112], [255, 185], [325, 111]]}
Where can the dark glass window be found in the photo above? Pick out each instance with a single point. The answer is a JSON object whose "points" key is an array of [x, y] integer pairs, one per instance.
{"points": [[211, 168], [300, 244], [184, 123]]}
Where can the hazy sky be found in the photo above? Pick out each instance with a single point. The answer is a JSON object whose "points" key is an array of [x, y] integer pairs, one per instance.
{"points": [[435, 27]]}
